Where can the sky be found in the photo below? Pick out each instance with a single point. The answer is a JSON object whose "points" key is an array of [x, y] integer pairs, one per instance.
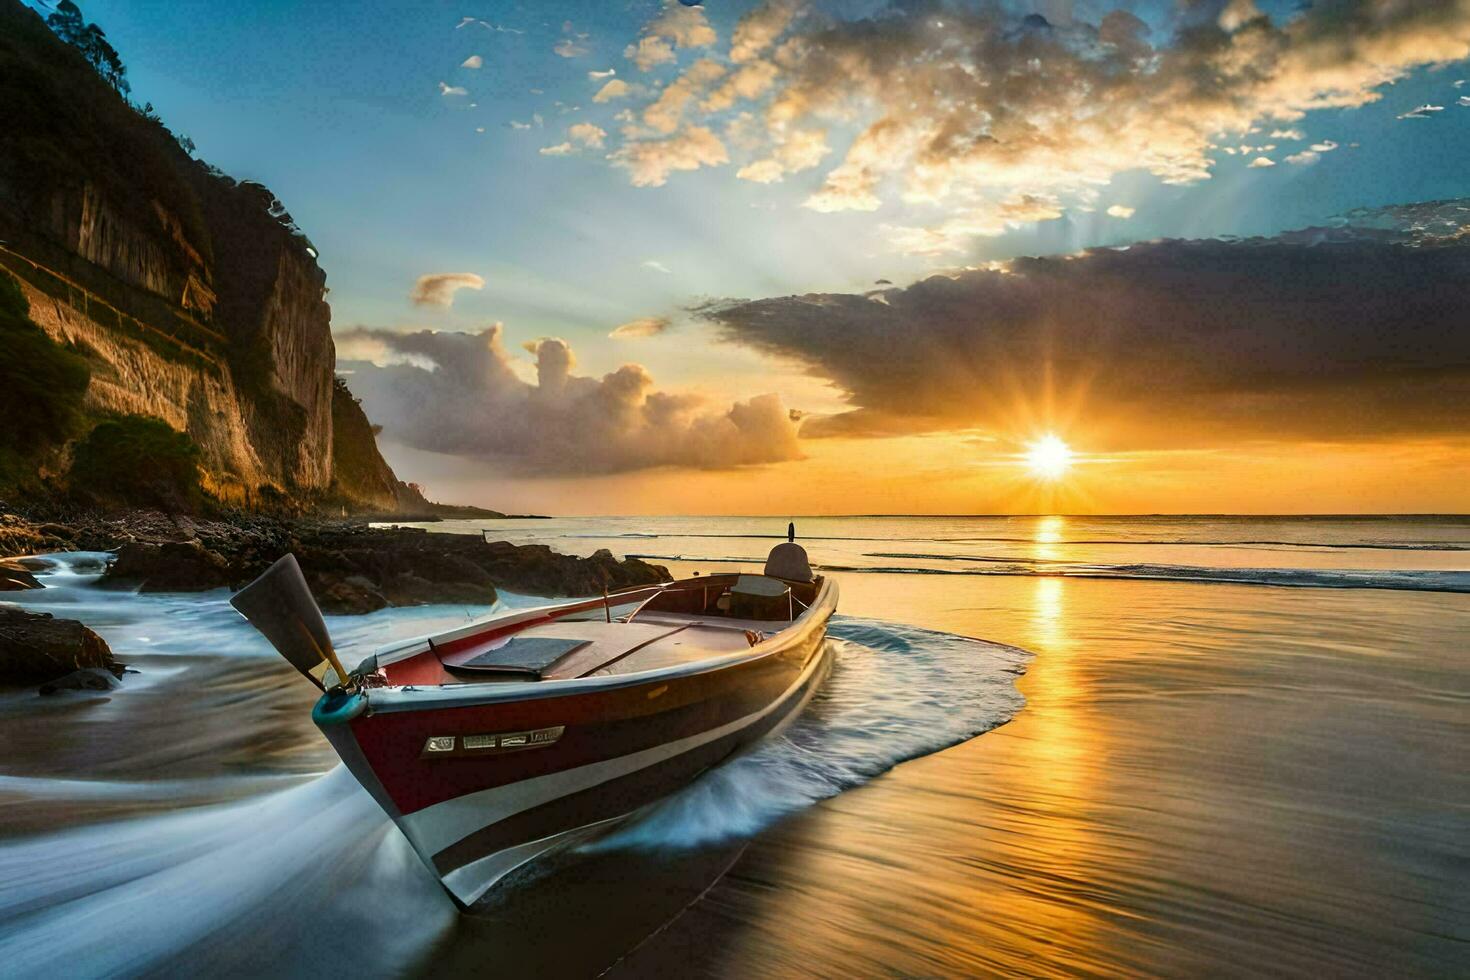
{"points": [[820, 257]]}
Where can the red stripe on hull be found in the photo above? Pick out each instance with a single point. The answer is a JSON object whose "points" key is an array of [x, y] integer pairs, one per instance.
{"points": [[599, 725], [616, 797]]}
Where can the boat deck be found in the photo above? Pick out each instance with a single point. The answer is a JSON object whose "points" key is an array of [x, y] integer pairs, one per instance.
{"points": [[678, 626], [586, 649]]}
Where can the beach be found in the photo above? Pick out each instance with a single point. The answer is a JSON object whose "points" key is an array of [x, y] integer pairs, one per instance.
{"points": [[1147, 768]]}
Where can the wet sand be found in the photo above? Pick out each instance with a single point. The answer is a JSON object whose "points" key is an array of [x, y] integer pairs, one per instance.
{"points": [[1204, 780]]}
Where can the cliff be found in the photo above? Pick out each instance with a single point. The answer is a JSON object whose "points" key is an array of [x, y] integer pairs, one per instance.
{"points": [[193, 297]]}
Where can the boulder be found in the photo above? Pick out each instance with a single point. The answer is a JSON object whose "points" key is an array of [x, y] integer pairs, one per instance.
{"points": [[90, 679], [348, 595], [37, 647], [14, 578], [537, 570], [174, 566]]}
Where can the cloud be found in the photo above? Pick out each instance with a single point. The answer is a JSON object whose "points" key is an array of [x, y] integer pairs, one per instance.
{"points": [[1288, 134], [597, 76], [1326, 146], [994, 107], [1121, 211], [580, 136], [467, 21], [473, 61], [1463, 100], [955, 233], [1261, 162], [570, 48], [587, 134], [1346, 333], [615, 89], [1425, 111], [747, 82], [665, 113], [685, 26], [761, 172], [458, 393], [446, 89], [677, 26], [759, 29], [657, 266], [646, 326], [649, 53], [438, 288], [1304, 158], [649, 162]]}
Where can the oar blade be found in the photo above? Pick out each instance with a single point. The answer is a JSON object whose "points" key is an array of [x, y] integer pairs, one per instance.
{"points": [[279, 604]]}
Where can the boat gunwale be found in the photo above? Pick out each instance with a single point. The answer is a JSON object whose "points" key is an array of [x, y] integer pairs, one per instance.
{"points": [[427, 697]]}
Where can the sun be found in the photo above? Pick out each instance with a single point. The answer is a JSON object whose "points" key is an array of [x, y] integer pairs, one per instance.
{"points": [[1048, 457]]}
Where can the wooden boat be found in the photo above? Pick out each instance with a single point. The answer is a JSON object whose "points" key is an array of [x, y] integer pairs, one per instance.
{"points": [[491, 744]]}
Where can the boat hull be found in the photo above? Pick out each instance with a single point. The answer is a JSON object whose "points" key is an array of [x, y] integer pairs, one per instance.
{"points": [[581, 755]]}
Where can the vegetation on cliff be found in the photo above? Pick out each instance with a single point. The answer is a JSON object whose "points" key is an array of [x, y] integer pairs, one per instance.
{"points": [[66, 125], [359, 471], [140, 461], [104, 210], [91, 41], [41, 387]]}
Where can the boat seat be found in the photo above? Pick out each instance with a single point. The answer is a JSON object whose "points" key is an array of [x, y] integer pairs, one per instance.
{"points": [[788, 561], [527, 656], [758, 585]]}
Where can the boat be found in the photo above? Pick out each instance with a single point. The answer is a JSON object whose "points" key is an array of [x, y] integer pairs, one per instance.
{"points": [[495, 743]]}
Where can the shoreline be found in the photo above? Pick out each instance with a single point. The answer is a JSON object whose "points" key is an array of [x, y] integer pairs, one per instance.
{"points": [[351, 567]]}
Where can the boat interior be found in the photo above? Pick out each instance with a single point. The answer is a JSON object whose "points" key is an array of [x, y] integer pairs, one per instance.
{"points": [[643, 629]]}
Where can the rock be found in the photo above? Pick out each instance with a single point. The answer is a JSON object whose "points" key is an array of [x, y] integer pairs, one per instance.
{"points": [[59, 531], [174, 566], [90, 679], [346, 596], [350, 567], [537, 570], [35, 648], [14, 578]]}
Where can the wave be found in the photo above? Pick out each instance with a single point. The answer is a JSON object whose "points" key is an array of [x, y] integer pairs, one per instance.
{"points": [[1187, 542], [1018, 539], [896, 693], [306, 856], [1401, 580], [1407, 581], [168, 893]]}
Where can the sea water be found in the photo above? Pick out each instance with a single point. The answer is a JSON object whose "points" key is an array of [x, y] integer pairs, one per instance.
{"points": [[1193, 773]]}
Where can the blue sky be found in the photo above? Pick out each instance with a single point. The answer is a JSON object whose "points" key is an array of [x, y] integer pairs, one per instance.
{"points": [[337, 109], [340, 109]]}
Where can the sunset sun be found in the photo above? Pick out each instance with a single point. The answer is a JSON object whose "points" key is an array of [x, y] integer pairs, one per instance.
{"points": [[1049, 457]]}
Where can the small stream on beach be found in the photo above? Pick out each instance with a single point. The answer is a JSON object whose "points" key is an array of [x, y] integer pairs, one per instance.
{"points": [[1195, 771]]}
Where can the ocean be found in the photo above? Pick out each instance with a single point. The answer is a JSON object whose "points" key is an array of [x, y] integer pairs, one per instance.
{"points": [[1049, 746]]}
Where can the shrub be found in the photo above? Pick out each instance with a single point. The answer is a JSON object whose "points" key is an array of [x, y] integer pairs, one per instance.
{"points": [[41, 382], [137, 460]]}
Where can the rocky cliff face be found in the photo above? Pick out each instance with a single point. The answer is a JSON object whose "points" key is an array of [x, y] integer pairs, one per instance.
{"points": [[194, 296]]}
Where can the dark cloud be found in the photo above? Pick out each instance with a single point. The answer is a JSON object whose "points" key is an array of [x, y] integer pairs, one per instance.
{"points": [[458, 393], [1348, 333]]}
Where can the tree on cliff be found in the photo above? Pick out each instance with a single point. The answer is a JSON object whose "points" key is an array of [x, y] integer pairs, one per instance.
{"points": [[41, 384], [90, 40]]}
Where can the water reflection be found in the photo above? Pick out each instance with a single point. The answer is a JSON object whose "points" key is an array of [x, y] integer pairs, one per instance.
{"points": [[1202, 781]]}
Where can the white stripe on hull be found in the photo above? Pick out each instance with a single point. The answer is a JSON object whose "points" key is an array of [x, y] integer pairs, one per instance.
{"points": [[468, 883], [434, 828]]}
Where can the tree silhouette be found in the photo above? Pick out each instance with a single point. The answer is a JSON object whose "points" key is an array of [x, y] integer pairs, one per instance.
{"points": [[91, 41]]}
